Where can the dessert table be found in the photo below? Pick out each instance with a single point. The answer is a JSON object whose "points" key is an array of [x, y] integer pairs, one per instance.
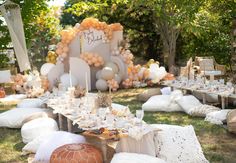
{"points": [[109, 124]]}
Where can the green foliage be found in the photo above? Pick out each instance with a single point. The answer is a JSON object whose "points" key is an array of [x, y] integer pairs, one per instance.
{"points": [[40, 27], [138, 23], [209, 33], [204, 26], [4, 61]]}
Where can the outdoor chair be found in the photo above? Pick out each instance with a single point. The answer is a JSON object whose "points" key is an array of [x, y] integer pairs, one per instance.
{"points": [[208, 66]]}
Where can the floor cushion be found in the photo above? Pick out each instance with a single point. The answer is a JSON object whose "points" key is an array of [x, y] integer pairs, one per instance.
{"points": [[30, 103], [148, 93], [157, 103], [135, 158], [13, 99], [165, 103], [166, 91], [55, 140], [202, 110], [81, 153], [217, 117], [231, 121], [33, 146], [47, 112], [37, 127], [13, 118], [176, 144], [188, 102]]}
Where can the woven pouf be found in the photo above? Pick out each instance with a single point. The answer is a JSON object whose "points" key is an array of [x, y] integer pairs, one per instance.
{"points": [[76, 153]]}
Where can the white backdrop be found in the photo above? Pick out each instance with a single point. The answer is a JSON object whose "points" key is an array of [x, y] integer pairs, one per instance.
{"points": [[12, 15]]}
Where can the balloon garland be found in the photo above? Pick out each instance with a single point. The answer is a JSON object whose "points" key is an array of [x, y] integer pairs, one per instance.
{"points": [[67, 35], [127, 56], [110, 75], [127, 83], [113, 84], [92, 59], [44, 83]]}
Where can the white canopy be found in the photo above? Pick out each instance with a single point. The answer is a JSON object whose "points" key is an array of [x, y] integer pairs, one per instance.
{"points": [[12, 15]]}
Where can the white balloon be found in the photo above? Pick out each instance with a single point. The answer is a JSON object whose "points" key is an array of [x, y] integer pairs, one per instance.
{"points": [[141, 71], [107, 73], [101, 85], [161, 72], [117, 78], [65, 80], [45, 68], [154, 67], [113, 66], [99, 75], [156, 74]]}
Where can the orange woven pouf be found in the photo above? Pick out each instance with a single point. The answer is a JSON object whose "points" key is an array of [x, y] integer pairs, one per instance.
{"points": [[76, 153]]}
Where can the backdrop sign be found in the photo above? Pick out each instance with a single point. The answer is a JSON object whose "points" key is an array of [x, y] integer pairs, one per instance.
{"points": [[92, 38]]}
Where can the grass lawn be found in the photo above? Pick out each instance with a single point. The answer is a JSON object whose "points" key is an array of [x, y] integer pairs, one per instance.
{"points": [[218, 145]]}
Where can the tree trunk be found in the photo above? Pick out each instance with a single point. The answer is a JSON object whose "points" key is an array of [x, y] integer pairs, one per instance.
{"points": [[169, 37]]}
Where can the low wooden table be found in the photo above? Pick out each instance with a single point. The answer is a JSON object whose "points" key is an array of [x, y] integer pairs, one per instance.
{"points": [[106, 142]]}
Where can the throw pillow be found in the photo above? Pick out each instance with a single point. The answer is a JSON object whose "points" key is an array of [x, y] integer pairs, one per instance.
{"points": [[176, 144]]}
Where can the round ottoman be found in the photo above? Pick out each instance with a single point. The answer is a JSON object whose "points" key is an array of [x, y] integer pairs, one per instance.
{"points": [[76, 153]]}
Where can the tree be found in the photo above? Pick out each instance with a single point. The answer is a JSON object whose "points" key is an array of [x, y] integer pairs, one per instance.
{"points": [[170, 18], [138, 23], [40, 26], [209, 33]]}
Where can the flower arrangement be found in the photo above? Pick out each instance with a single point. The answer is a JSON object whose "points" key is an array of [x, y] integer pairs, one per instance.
{"points": [[18, 83]]}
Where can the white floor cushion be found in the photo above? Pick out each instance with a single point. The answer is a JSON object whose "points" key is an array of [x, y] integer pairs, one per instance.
{"points": [[33, 146], [217, 117], [161, 103], [37, 127], [13, 98], [13, 118], [157, 103], [188, 102], [52, 142], [166, 91], [30, 103], [202, 110], [176, 144], [135, 158]]}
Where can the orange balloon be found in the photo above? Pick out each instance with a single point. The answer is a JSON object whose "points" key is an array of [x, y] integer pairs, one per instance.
{"points": [[64, 55], [59, 51], [65, 49]]}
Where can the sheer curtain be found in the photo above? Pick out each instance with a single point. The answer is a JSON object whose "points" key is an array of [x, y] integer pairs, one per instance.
{"points": [[11, 13]]}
